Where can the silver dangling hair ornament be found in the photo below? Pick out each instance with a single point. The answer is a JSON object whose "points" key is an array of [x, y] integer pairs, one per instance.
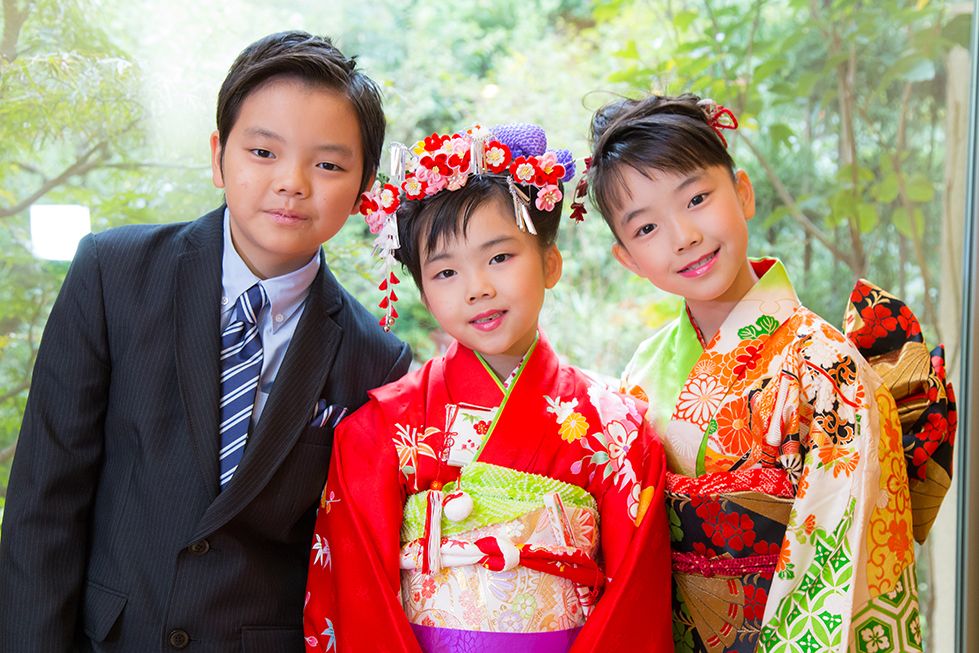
{"points": [[520, 203]]}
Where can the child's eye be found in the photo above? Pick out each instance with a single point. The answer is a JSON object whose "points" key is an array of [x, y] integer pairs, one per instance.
{"points": [[262, 154], [445, 274], [326, 165], [500, 258], [647, 228], [699, 198]]}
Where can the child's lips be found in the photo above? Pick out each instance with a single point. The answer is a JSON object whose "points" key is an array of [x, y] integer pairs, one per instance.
{"points": [[283, 216], [487, 321], [701, 266]]}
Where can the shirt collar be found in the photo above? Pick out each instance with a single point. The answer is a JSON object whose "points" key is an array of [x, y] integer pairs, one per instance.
{"points": [[286, 293]]}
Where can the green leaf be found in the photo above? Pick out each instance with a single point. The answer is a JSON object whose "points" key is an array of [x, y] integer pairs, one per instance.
{"points": [[780, 133], [841, 207], [806, 82], [748, 333], [921, 189], [867, 217], [902, 222], [683, 19], [599, 458], [920, 71], [778, 214], [767, 324], [886, 190], [767, 68], [630, 51], [676, 530]]}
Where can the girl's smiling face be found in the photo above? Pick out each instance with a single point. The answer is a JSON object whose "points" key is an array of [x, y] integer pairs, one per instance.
{"points": [[687, 233], [485, 287]]}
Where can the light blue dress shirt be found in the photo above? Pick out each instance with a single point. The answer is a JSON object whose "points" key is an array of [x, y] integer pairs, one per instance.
{"points": [[277, 321]]}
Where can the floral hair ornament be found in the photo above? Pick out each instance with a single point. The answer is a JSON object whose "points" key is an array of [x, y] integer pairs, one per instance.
{"points": [[718, 117], [517, 152], [580, 192], [379, 206]]}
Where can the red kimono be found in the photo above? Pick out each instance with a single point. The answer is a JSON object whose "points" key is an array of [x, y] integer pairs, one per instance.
{"points": [[556, 540]]}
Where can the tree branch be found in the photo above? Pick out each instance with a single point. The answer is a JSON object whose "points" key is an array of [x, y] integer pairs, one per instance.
{"points": [[790, 203], [13, 392], [931, 315], [8, 452], [92, 159], [13, 20], [845, 76]]}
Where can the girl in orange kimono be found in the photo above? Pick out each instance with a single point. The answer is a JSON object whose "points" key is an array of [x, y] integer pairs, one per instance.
{"points": [[787, 490], [494, 499]]}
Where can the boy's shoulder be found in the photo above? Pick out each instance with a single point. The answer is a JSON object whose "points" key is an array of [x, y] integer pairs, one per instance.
{"points": [[359, 325], [136, 239], [408, 388]]}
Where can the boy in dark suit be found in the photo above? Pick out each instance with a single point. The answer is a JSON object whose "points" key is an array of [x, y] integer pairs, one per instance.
{"points": [[179, 426]]}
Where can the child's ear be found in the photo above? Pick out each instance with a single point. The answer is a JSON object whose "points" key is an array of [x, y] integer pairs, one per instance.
{"points": [[217, 174], [553, 266], [625, 259], [746, 193]]}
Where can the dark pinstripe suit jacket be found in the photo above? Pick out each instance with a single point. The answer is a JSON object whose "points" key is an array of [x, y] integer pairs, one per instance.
{"points": [[115, 537]]}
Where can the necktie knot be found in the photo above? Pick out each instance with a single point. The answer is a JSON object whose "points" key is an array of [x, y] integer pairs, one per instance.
{"points": [[250, 304]]}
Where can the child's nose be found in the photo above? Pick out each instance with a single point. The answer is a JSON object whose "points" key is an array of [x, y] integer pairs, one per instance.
{"points": [[293, 181], [480, 288], [686, 235]]}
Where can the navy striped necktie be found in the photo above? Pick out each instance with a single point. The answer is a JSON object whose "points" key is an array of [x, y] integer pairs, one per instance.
{"points": [[241, 366]]}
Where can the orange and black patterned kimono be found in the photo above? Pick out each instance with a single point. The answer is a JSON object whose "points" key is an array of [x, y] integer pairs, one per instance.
{"points": [[787, 491]]}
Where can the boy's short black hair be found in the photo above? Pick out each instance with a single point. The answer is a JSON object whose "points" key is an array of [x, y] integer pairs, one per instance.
{"points": [[656, 133], [424, 224], [315, 61]]}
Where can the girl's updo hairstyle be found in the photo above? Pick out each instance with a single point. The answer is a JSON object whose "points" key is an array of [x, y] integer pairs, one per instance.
{"points": [[656, 133], [426, 223]]}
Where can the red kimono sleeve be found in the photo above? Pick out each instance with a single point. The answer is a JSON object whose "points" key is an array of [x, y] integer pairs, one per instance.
{"points": [[352, 601], [635, 612]]}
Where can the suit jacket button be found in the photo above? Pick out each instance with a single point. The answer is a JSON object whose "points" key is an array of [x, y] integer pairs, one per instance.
{"points": [[178, 639], [200, 547]]}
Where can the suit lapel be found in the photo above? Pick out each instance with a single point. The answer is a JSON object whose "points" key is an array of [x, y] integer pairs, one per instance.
{"points": [[197, 321], [299, 383]]}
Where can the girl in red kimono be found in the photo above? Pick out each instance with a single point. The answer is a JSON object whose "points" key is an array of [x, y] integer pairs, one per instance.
{"points": [[494, 499]]}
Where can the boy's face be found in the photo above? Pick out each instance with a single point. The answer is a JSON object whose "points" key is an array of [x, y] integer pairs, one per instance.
{"points": [[486, 288], [291, 172], [687, 233]]}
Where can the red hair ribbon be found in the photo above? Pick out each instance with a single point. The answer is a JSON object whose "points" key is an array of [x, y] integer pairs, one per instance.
{"points": [[720, 117]]}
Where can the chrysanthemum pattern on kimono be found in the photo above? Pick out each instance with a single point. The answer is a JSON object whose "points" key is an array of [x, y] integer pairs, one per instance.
{"points": [[817, 551]]}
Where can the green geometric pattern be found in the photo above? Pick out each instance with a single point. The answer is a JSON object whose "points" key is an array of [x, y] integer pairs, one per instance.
{"points": [[890, 622], [805, 621], [499, 495]]}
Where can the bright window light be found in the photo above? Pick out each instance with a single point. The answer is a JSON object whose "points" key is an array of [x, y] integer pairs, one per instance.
{"points": [[57, 228]]}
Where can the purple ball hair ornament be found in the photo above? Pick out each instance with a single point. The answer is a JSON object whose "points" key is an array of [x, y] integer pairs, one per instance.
{"points": [[565, 158], [523, 139]]}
